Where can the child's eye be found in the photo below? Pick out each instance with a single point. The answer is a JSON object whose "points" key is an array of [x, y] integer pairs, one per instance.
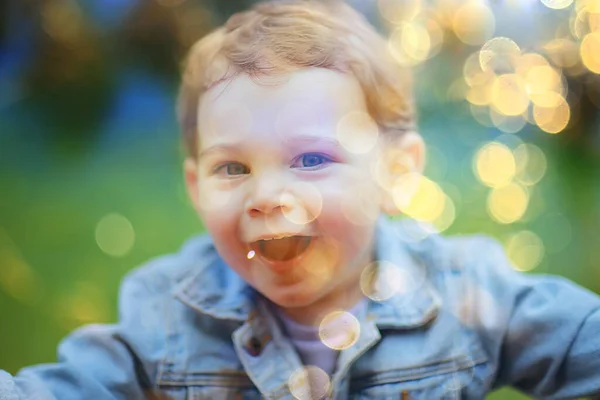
{"points": [[232, 169], [312, 160]]}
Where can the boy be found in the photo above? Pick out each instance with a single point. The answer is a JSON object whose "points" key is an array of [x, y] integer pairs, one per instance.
{"points": [[298, 126]]}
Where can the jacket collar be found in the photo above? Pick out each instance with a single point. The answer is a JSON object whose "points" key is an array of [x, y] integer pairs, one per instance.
{"points": [[216, 290]]}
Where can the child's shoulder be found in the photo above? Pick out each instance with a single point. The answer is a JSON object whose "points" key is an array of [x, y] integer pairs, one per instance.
{"points": [[161, 274], [438, 252]]}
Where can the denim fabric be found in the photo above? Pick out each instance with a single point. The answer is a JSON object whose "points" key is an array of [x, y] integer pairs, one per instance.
{"points": [[466, 324]]}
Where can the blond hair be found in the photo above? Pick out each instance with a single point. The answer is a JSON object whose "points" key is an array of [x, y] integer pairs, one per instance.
{"points": [[278, 37]]}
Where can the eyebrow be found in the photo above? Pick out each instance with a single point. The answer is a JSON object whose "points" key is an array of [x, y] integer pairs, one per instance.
{"points": [[291, 142]]}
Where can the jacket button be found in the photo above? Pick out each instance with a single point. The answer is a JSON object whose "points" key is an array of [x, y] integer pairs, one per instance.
{"points": [[254, 346]]}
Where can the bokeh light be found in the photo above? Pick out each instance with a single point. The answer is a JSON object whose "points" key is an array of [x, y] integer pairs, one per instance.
{"points": [[309, 383], [557, 4], [418, 197], [410, 43], [531, 164], [303, 201], [474, 23], [525, 249], [115, 235], [494, 165], [357, 132], [339, 330], [590, 51], [507, 204], [382, 280], [555, 118]]}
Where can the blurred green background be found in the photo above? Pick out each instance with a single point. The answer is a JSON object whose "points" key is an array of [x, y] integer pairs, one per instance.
{"points": [[90, 157]]}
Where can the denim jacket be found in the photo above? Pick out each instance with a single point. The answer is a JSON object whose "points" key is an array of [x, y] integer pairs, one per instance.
{"points": [[190, 328]]}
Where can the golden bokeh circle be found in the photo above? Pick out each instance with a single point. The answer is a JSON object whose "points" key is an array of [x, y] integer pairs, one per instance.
{"points": [[115, 235], [525, 249], [474, 23], [357, 132], [382, 280], [557, 4], [303, 203], [339, 330], [418, 197], [494, 165], [508, 204], [552, 119], [309, 383], [509, 94], [590, 51]]}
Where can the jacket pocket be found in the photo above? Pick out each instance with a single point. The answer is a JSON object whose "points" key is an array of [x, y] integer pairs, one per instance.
{"points": [[209, 386], [446, 380]]}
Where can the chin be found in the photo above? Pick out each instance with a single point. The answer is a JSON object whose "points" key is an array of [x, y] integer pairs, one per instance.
{"points": [[286, 298]]}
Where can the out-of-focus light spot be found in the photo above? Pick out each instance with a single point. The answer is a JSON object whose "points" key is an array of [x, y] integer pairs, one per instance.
{"points": [[481, 115], [251, 254], [381, 280], [480, 95], [525, 249], [499, 55], [543, 84], [531, 164], [557, 4], [590, 51], [475, 307], [509, 94], [213, 200], [436, 37], [339, 330], [360, 204], [83, 304], [63, 20], [302, 202], [457, 91], [170, 3], [594, 21], [17, 278], [473, 74], [507, 123], [589, 6], [410, 44], [309, 383], [474, 23], [528, 61], [357, 132], [508, 204], [414, 232], [552, 119], [564, 53], [446, 218], [393, 163], [494, 165], [397, 12], [418, 197], [115, 235]]}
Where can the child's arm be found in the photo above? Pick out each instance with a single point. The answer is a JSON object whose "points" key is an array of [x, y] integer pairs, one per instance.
{"points": [[96, 361], [546, 329]]}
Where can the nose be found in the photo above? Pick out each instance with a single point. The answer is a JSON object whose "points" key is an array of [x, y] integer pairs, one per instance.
{"points": [[266, 196]]}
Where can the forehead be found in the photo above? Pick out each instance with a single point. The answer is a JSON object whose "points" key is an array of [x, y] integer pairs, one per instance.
{"points": [[308, 101]]}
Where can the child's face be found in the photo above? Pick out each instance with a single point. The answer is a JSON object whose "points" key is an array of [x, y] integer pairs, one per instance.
{"points": [[271, 165]]}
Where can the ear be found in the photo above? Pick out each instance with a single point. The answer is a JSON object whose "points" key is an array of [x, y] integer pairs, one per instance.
{"points": [[190, 171], [406, 154]]}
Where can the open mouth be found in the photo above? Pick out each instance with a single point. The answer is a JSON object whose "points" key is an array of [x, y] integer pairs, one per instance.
{"points": [[281, 250]]}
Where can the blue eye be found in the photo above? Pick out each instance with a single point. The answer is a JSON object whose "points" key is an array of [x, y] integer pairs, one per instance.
{"points": [[233, 169], [313, 160]]}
